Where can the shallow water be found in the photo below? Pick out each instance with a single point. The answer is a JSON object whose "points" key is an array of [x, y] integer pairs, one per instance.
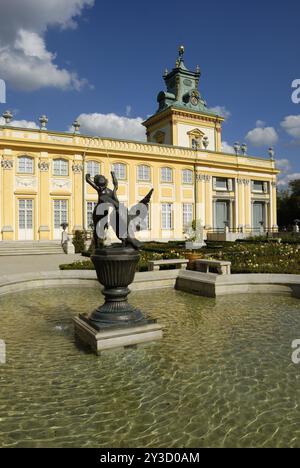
{"points": [[221, 377]]}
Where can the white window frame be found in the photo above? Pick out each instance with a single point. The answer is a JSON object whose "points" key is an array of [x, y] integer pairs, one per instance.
{"points": [[144, 173], [93, 168], [187, 214], [90, 206], [62, 209], [166, 175], [60, 167], [257, 190], [25, 165], [218, 179], [187, 176], [167, 216], [120, 171]]}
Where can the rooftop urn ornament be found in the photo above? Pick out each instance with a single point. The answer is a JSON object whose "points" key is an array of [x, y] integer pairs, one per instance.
{"points": [[43, 122], [244, 149], [271, 153], [76, 126], [237, 148], [7, 115], [205, 142]]}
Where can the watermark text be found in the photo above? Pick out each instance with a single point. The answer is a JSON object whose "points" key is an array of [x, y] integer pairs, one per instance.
{"points": [[2, 92], [296, 92]]}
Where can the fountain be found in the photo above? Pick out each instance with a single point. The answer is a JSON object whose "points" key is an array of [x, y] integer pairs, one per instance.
{"points": [[116, 323]]}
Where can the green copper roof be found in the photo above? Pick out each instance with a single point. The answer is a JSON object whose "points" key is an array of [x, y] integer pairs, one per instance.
{"points": [[182, 89]]}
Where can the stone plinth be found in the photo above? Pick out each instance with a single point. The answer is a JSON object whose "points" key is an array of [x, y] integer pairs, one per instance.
{"points": [[189, 245], [113, 337]]}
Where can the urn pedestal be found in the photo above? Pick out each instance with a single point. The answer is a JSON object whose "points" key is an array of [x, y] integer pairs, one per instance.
{"points": [[116, 323]]}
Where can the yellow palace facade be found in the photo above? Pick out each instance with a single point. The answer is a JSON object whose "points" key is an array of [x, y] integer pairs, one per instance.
{"points": [[42, 173]]}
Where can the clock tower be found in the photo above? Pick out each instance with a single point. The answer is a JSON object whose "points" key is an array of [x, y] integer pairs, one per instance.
{"points": [[183, 118]]}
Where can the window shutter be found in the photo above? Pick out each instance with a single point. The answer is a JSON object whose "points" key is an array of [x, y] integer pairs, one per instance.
{"points": [[214, 181], [265, 187], [229, 185]]}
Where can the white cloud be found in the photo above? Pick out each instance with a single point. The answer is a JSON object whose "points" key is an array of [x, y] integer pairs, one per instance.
{"points": [[284, 181], [226, 148], [222, 111], [262, 135], [20, 123], [25, 62], [260, 123], [291, 124], [286, 175], [284, 165], [112, 125]]}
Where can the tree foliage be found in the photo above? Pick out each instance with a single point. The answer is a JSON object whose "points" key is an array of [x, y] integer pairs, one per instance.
{"points": [[288, 204]]}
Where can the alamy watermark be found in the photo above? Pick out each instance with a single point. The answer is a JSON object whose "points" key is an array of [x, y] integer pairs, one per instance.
{"points": [[2, 352], [296, 352], [2, 92], [296, 92]]}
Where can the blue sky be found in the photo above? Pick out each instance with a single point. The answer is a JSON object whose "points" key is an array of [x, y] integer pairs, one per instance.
{"points": [[92, 59]]}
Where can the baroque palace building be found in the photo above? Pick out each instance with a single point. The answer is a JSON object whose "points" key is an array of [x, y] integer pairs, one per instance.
{"points": [[42, 173]]}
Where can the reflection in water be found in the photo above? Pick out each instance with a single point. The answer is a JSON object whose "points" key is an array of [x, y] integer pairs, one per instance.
{"points": [[222, 375]]}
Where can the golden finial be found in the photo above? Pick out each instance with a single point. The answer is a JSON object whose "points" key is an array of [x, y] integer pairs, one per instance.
{"points": [[181, 51]]}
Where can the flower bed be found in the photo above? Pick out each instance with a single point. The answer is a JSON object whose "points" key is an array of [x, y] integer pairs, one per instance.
{"points": [[261, 258], [245, 257]]}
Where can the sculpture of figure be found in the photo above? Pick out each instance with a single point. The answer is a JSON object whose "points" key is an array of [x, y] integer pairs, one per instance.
{"points": [[122, 216]]}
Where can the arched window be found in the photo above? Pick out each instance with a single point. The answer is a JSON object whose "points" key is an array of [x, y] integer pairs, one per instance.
{"points": [[166, 174], [93, 168], [120, 170], [25, 165], [143, 172], [187, 176], [60, 167]]}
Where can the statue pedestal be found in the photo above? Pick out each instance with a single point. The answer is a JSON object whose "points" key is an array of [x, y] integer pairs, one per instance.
{"points": [[189, 245], [113, 337], [116, 323]]}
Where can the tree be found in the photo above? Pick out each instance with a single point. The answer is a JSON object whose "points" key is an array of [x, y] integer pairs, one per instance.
{"points": [[288, 203]]}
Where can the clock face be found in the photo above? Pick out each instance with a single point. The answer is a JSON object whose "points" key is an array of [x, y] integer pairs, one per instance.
{"points": [[194, 98]]}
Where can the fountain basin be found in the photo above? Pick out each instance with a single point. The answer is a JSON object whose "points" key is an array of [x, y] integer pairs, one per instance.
{"points": [[221, 377]]}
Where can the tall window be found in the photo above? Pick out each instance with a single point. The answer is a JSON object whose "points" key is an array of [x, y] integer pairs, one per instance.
{"points": [[90, 206], [60, 167], [187, 176], [187, 214], [93, 168], [166, 174], [25, 165], [143, 172], [60, 213], [120, 170], [167, 216]]}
